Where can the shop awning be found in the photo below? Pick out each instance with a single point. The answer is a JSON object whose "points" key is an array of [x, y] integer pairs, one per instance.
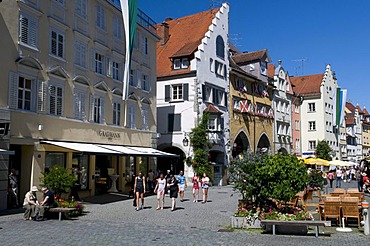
{"points": [[6, 152], [110, 149], [82, 147]]}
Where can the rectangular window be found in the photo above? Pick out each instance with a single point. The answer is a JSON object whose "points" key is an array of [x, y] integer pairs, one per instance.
{"points": [[131, 117], [311, 107], [99, 63], [57, 44], [24, 93], [117, 27], [296, 108], [132, 78], [116, 73], [145, 119], [297, 125], [55, 99], [263, 68], [54, 158], [28, 30], [311, 145], [145, 46], [116, 114], [100, 17], [177, 64], [145, 83], [80, 163], [81, 8], [177, 91], [185, 63], [312, 125], [297, 144], [98, 105], [80, 53], [174, 122]]}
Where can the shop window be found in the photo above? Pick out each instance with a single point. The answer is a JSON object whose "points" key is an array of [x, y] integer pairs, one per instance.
{"points": [[54, 158], [80, 165]]}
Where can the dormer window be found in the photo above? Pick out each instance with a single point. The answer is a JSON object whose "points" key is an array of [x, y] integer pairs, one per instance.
{"points": [[180, 63], [263, 68]]}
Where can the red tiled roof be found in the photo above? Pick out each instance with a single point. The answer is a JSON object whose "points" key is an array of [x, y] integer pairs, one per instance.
{"points": [[350, 107], [185, 35], [366, 113], [212, 109], [359, 109], [307, 85], [246, 57], [270, 70], [350, 120]]}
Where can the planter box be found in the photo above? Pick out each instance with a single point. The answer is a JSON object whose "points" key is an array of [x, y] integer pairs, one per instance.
{"points": [[241, 222], [288, 229]]}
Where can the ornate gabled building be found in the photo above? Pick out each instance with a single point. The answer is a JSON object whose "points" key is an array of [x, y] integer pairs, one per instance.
{"points": [[251, 112], [318, 111], [282, 106], [192, 78], [353, 132]]}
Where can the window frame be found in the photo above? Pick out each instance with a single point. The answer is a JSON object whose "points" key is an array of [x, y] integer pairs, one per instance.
{"points": [[311, 108], [56, 99], [28, 36], [56, 44], [25, 91], [311, 126], [116, 113]]}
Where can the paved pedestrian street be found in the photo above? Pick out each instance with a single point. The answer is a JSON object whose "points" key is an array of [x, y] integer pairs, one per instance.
{"points": [[191, 224]]}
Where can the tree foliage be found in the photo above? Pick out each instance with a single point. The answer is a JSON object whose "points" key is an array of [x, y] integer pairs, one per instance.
{"points": [[262, 177], [323, 150], [58, 180], [200, 144]]}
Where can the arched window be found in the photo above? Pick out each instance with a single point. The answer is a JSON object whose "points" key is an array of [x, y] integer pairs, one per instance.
{"points": [[220, 47]]}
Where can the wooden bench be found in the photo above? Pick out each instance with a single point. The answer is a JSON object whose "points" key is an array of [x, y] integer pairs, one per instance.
{"points": [[61, 210], [297, 223]]}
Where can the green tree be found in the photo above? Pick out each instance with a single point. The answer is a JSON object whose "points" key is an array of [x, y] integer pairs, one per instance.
{"points": [[200, 144], [58, 180], [264, 177], [323, 150]]}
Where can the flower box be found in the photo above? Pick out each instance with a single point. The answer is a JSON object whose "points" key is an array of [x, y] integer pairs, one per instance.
{"points": [[244, 223]]}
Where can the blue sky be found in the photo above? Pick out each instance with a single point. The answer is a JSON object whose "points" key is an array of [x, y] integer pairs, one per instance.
{"points": [[311, 33]]}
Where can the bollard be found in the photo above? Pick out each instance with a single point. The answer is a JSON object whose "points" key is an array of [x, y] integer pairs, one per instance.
{"points": [[365, 206]]}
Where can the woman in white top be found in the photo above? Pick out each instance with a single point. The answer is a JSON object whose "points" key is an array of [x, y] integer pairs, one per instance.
{"points": [[205, 185], [160, 190]]}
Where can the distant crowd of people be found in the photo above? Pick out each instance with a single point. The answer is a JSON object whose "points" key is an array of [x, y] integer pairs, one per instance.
{"points": [[172, 185]]}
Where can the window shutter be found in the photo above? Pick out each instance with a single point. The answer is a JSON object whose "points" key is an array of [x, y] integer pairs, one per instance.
{"points": [[52, 99], [170, 122], [83, 106], [41, 98], [102, 110], [186, 92], [167, 93], [225, 99], [92, 56], [13, 90], [204, 93], [109, 67], [177, 122], [92, 98], [77, 105]]}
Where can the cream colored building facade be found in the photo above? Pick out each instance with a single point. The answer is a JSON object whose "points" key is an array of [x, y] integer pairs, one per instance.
{"points": [[62, 68]]}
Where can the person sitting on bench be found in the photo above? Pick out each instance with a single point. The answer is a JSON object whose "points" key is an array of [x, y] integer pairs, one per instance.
{"points": [[47, 203], [30, 204]]}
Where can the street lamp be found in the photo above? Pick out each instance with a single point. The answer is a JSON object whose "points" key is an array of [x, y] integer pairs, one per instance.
{"points": [[185, 141]]}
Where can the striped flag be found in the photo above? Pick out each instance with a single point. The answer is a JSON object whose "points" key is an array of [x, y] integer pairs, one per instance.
{"points": [[340, 105], [129, 14]]}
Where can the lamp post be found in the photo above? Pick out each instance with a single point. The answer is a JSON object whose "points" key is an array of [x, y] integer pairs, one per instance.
{"points": [[185, 141]]}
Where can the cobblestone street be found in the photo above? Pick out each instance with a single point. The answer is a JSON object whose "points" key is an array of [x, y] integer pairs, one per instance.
{"points": [[191, 224]]}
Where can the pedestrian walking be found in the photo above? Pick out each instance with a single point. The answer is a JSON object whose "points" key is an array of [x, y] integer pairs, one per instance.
{"points": [[338, 179], [195, 187], [174, 190], [139, 188], [331, 178], [13, 188], [205, 186], [160, 189], [359, 180], [182, 184]]}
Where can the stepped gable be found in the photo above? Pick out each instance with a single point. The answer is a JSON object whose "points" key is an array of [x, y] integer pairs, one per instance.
{"points": [[184, 36], [307, 85], [366, 113], [359, 109]]}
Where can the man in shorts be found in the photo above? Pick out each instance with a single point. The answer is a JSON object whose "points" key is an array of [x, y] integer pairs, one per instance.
{"points": [[182, 184]]}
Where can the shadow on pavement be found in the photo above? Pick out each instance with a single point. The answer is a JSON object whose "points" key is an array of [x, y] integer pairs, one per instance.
{"points": [[106, 198]]}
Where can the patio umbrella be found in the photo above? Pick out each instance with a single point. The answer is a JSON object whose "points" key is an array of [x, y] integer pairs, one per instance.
{"points": [[316, 161], [342, 163]]}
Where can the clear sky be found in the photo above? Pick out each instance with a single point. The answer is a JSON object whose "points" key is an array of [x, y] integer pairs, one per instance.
{"points": [[305, 34]]}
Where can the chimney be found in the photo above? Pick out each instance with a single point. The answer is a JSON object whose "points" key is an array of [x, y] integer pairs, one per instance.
{"points": [[164, 32]]}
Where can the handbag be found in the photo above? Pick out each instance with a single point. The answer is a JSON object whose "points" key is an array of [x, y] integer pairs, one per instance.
{"points": [[134, 202]]}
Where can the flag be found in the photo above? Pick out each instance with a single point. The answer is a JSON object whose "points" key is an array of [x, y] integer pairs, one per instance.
{"points": [[341, 99], [129, 15]]}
